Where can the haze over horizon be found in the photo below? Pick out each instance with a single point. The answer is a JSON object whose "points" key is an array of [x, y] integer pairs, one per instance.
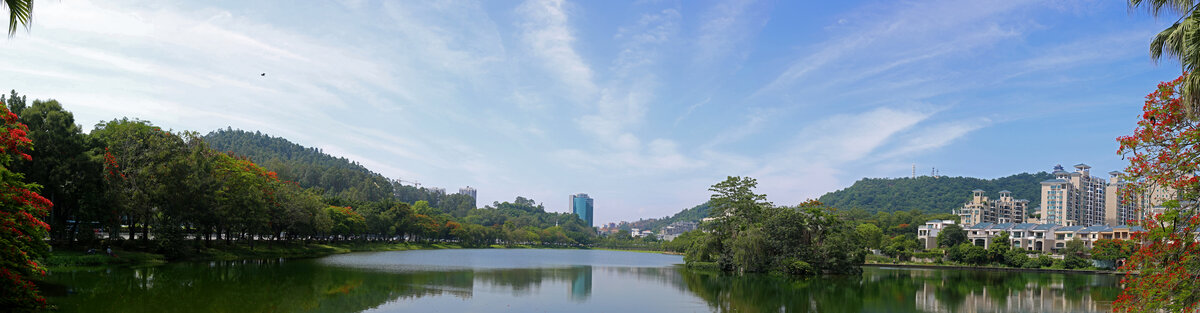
{"points": [[641, 105]]}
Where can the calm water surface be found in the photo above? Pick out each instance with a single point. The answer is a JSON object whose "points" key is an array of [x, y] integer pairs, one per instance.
{"points": [[534, 280]]}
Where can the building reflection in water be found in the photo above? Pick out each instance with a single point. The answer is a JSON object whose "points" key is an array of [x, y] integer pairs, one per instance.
{"points": [[1043, 293], [581, 286]]}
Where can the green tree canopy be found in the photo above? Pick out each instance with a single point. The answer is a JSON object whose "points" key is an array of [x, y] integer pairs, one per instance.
{"points": [[951, 235]]}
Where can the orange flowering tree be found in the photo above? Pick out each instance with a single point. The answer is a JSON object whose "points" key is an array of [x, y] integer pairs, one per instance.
{"points": [[21, 228], [1163, 168]]}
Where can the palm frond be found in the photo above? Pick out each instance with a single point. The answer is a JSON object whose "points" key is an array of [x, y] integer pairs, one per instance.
{"points": [[19, 12], [1158, 7]]}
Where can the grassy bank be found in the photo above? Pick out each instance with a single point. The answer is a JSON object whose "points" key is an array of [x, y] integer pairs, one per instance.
{"points": [[69, 258], [66, 258]]}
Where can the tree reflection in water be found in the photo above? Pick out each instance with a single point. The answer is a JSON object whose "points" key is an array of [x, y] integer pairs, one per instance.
{"points": [[308, 286], [906, 290]]}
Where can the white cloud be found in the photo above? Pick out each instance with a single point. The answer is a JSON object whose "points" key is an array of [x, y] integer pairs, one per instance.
{"points": [[547, 31], [933, 137], [904, 35], [728, 26]]}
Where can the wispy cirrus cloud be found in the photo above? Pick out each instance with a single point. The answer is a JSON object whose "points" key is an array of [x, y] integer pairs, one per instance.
{"points": [[546, 29]]}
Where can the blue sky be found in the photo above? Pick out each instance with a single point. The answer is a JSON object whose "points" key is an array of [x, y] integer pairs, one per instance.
{"points": [[642, 105]]}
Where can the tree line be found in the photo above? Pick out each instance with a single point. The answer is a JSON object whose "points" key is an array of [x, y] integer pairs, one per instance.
{"points": [[128, 181]]}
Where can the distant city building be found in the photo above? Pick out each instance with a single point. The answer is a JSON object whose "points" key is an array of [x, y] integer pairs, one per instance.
{"points": [[583, 206], [638, 233], [676, 229], [1074, 198], [438, 190], [467, 191], [927, 234], [470, 192], [980, 209]]}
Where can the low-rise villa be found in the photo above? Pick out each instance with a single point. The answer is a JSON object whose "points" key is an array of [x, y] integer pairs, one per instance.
{"points": [[1029, 236]]}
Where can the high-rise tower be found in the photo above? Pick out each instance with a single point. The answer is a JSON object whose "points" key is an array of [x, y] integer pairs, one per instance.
{"points": [[582, 206]]}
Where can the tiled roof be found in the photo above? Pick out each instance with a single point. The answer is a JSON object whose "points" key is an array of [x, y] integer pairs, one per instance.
{"points": [[1024, 226], [1001, 226], [1045, 227], [1098, 228], [984, 225]]}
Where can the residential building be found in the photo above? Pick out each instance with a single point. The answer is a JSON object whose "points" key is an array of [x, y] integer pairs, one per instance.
{"points": [[470, 192], [1045, 237], [1073, 198], [677, 228], [980, 209], [1117, 209], [467, 191], [583, 206], [927, 234]]}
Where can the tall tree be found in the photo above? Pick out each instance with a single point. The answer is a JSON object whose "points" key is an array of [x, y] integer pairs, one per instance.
{"points": [[1163, 164], [64, 167], [735, 204], [21, 227], [138, 177], [871, 235]]}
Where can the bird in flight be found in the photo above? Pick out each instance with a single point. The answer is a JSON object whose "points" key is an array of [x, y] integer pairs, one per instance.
{"points": [[264, 74]]}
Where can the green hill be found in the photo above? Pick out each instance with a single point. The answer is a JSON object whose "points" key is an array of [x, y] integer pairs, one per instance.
{"points": [[931, 195], [693, 214], [310, 167]]}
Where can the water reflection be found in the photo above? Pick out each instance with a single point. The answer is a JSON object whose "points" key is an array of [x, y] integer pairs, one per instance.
{"points": [[581, 286], [907, 290], [313, 286]]}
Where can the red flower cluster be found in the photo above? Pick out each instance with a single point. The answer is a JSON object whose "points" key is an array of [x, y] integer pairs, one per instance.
{"points": [[1163, 159], [21, 227]]}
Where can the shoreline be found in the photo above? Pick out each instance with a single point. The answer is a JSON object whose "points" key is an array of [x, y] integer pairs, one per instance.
{"points": [[69, 259], [994, 269]]}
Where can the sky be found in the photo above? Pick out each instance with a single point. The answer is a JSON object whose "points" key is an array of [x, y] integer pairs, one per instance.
{"points": [[642, 105]]}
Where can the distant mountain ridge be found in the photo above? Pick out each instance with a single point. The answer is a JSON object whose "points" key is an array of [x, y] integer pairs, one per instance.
{"points": [[931, 195]]}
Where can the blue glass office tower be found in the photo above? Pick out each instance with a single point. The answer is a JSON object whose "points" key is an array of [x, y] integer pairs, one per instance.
{"points": [[582, 206]]}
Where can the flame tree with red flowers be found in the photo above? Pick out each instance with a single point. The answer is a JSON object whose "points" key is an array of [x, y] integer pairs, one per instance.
{"points": [[21, 228], [1163, 166]]}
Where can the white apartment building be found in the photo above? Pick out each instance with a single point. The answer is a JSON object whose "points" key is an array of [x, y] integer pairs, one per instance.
{"points": [[1074, 198], [980, 209]]}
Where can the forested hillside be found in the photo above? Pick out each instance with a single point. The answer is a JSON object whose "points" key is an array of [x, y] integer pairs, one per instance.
{"points": [[929, 194], [310, 167], [693, 214]]}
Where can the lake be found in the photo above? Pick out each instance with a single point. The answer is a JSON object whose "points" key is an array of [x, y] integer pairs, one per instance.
{"points": [[541, 280]]}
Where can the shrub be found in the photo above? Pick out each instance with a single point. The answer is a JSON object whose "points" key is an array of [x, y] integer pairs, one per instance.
{"points": [[798, 267], [1016, 258]]}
